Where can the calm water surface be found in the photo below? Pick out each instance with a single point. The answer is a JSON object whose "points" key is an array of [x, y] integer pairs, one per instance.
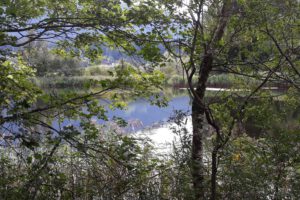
{"points": [[149, 114], [140, 113]]}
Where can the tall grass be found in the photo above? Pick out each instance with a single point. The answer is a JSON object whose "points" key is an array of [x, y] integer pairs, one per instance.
{"points": [[64, 82], [96, 70], [86, 75]]}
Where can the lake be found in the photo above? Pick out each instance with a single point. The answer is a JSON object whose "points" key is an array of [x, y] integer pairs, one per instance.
{"points": [[140, 114], [149, 114]]}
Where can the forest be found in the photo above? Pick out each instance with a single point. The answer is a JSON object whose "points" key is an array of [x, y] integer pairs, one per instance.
{"points": [[149, 99]]}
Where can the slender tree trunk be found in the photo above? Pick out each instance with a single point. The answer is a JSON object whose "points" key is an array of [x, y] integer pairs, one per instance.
{"points": [[198, 116], [214, 169], [198, 106]]}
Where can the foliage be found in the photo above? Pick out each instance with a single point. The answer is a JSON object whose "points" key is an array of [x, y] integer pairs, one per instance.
{"points": [[46, 63], [104, 166], [261, 168], [17, 91], [180, 180]]}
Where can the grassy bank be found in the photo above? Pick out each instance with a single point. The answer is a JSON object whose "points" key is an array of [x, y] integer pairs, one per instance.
{"points": [[78, 80], [173, 79], [67, 81]]}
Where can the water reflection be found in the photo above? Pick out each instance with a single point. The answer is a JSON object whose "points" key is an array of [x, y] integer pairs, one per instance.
{"points": [[147, 114], [139, 114]]}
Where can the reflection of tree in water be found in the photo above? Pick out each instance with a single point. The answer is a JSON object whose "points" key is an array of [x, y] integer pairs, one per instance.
{"points": [[134, 124]]}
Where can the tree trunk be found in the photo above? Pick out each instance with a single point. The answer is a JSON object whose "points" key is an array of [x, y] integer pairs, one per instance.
{"points": [[197, 151], [214, 170], [198, 116], [198, 106]]}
